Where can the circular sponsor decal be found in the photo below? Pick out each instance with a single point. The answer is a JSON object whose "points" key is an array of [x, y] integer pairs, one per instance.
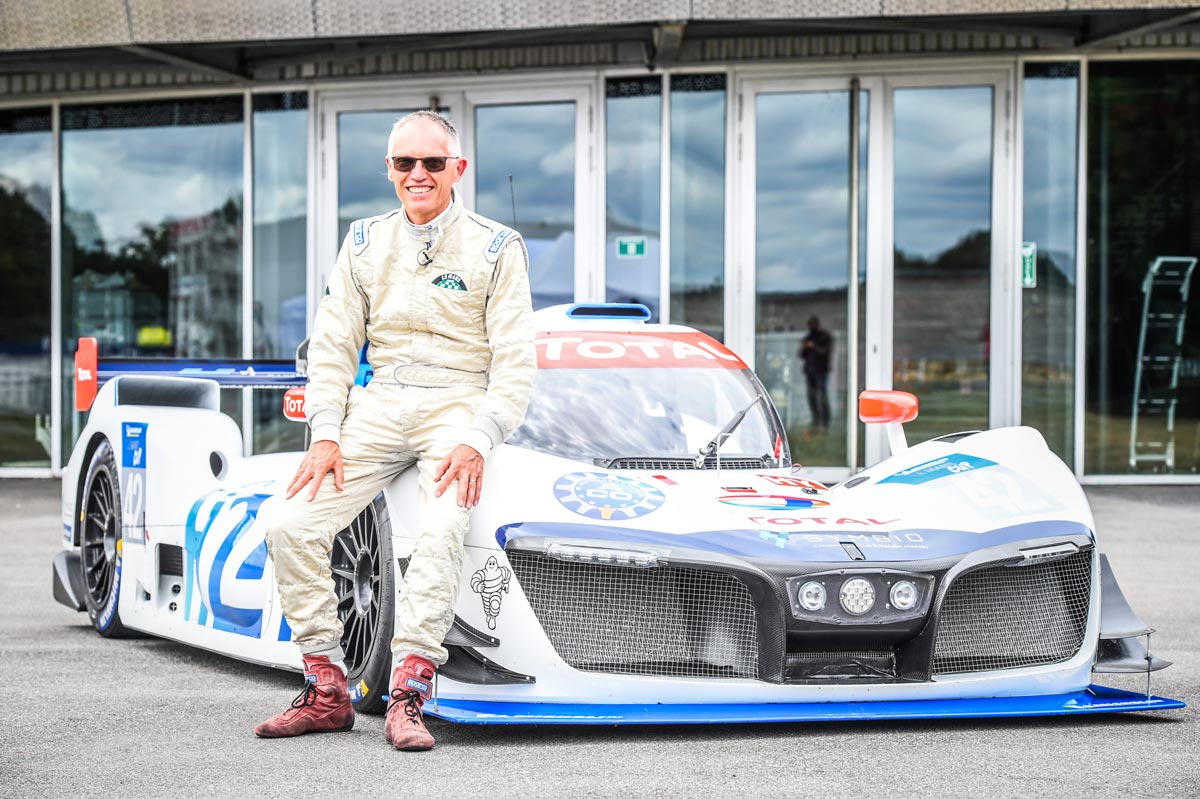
{"points": [[772, 502], [606, 496]]}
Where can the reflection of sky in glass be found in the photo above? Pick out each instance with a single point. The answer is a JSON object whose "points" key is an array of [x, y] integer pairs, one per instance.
{"points": [[363, 187], [25, 163], [943, 166], [633, 153], [535, 144], [123, 178], [280, 236], [697, 190], [802, 191], [1050, 168], [280, 165]]}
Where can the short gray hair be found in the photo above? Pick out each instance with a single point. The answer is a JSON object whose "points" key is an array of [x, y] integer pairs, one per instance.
{"points": [[428, 116]]}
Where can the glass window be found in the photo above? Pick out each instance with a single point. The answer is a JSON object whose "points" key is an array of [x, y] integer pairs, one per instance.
{"points": [[802, 269], [152, 230], [698, 202], [1142, 412], [1051, 99], [26, 169], [942, 232], [633, 154], [525, 177], [280, 252]]}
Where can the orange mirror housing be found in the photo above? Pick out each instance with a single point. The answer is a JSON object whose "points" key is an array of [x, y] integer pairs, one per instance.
{"points": [[881, 407]]}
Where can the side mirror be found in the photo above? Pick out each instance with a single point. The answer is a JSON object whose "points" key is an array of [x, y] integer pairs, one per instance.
{"points": [[302, 358], [891, 408]]}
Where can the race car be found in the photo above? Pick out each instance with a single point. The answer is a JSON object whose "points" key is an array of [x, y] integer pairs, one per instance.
{"points": [[645, 550]]}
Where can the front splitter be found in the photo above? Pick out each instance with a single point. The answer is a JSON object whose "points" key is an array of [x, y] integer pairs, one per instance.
{"points": [[1095, 699]]}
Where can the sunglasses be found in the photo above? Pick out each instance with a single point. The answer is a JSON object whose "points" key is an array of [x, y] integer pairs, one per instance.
{"points": [[433, 163]]}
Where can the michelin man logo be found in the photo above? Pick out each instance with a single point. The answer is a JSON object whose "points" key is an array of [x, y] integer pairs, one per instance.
{"points": [[489, 582]]}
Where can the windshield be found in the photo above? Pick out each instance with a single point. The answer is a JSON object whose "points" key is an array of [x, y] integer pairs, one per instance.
{"points": [[616, 406]]}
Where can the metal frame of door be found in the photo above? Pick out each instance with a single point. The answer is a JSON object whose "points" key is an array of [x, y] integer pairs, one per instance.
{"points": [[876, 370]]}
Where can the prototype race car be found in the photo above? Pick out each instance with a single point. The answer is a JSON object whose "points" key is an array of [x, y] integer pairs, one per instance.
{"points": [[644, 551]]}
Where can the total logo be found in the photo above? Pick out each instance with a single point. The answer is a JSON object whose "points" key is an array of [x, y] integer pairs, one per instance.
{"points": [[293, 404], [633, 350], [603, 496]]}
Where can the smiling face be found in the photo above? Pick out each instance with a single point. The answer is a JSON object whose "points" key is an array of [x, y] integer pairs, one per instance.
{"points": [[424, 194]]}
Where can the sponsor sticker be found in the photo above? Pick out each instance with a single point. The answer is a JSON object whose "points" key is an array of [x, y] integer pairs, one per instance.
{"points": [[938, 468], [491, 582], [603, 349], [133, 480], [603, 496], [771, 502]]}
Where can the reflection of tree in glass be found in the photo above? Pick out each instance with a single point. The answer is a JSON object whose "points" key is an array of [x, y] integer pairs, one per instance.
{"points": [[173, 290], [24, 270]]}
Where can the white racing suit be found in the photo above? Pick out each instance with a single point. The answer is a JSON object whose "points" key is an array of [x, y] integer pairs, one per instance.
{"points": [[446, 310]]}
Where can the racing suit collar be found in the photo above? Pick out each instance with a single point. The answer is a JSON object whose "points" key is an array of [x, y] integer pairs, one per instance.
{"points": [[431, 233]]}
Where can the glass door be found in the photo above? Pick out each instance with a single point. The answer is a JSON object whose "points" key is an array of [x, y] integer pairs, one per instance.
{"points": [[528, 167], [951, 274], [802, 257]]}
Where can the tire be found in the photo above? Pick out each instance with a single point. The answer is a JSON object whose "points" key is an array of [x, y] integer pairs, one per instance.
{"points": [[364, 581], [101, 543]]}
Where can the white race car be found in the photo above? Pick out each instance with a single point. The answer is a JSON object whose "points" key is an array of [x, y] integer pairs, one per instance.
{"points": [[644, 551]]}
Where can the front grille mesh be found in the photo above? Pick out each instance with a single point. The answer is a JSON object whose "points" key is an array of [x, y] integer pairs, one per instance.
{"points": [[664, 621], [1007, 617]]}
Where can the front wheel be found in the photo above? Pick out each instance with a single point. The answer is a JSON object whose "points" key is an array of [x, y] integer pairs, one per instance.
{"points": [[364, 581], [100, 543]]}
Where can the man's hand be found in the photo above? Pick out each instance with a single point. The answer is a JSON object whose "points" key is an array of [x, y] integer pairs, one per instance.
{"points": [[465, 465], [322, 458]]}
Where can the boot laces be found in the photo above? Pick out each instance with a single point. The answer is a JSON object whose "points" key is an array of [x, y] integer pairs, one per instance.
{"points": [[410, 700], [307, 697]]}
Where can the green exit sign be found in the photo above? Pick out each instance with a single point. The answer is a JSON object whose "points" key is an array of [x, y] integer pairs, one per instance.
{"points": [[631, 246], [1029, 265]]}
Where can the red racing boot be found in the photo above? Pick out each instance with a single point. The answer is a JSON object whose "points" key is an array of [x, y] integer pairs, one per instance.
{"points": [[323, 705], [412, 685]]}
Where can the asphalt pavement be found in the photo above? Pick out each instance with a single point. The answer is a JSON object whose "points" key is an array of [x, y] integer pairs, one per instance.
{"points": [[83, 716]]}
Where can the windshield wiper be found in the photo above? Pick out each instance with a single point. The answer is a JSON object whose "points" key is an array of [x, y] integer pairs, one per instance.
{"points": [[714, 447]]}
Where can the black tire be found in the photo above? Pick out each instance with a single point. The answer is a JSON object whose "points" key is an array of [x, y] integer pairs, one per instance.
{"points": [[101, 544], [364, 581]]}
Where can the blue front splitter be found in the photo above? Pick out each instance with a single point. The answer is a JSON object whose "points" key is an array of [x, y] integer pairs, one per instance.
{"points": [[1095, 699]]}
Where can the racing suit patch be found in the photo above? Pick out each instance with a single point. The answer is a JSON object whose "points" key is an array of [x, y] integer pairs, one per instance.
{"points": [[358, 235], [493, 251], [450, 281]]}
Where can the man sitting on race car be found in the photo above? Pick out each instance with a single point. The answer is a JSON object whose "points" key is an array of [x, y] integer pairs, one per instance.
{"points": [[442, 296]]}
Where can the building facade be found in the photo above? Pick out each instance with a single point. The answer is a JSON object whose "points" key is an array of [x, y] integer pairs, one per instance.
{"points": [[993, 205]]}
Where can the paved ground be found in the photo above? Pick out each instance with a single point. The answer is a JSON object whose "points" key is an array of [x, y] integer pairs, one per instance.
{"points": [[82, 716]]}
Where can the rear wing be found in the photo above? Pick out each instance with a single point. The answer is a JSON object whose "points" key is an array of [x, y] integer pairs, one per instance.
{"points": [[91, 373]]}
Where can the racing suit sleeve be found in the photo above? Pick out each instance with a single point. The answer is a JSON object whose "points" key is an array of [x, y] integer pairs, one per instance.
{"points": [[508, 318], [339, 331]]}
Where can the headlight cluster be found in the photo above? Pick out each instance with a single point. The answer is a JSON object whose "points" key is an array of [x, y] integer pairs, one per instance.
{"points": [[861, 597]]}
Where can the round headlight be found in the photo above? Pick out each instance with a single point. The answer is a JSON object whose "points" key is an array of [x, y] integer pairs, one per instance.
{"points": [[904, 595], [858, 596], [812, 596]]}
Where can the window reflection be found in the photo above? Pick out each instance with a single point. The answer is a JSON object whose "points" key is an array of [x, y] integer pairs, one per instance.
{"points": [[698, 202], [532, 145], [1050, 102], [802, 247], [1143, 203], [942, 266], [280, 252], [152, 215], [633, 152], [25, 171]]}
